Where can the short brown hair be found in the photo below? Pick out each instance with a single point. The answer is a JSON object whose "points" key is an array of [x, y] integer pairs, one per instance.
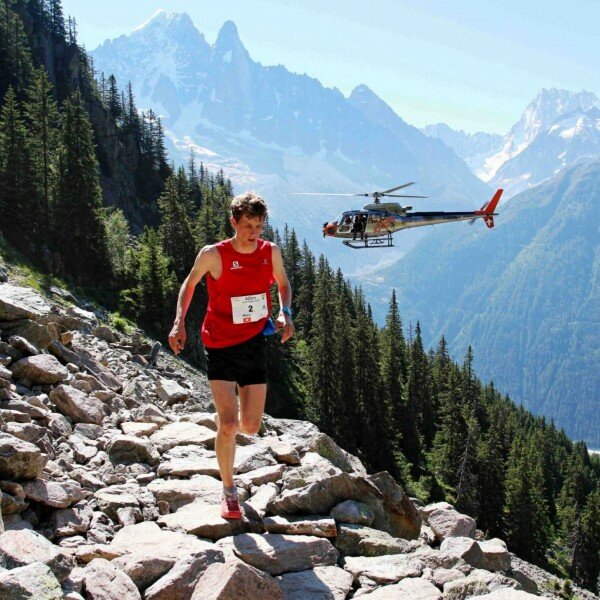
{"points": [[249, 204]]}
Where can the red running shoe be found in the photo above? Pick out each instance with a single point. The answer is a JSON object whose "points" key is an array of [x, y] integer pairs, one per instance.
{"points": [[230, 507]]}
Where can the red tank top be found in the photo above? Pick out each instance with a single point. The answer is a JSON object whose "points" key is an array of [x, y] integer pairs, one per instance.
{"points": [[229, 316]]}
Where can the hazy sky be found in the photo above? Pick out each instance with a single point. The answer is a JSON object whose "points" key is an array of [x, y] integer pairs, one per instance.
{"points": [[473, 64]]}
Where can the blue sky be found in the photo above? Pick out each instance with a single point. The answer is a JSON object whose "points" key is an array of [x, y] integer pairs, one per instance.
{"points": [[473, 64]]}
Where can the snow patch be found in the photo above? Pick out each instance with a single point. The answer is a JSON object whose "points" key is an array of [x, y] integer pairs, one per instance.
{"points": [[227, 56]]}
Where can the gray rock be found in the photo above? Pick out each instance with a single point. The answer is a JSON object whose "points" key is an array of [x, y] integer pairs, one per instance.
{"points": [[105, 333], [316, 584], [466, 548], [323, 445], [277, 554], [262, 475], [236, 581], [23, 345], [89, 430], [138, 429], [415, 589], [170, 392], [261, 498], [351, 511], [149, 538], [143, 569], [251, 458], [28, 432], [495, 555], [450, 523], [204, 520], [180, 581], [77, 405], [427, 510], [179, 492], [312, 468], [283, 452], [53, 493], [19, 459], [24, 547], [309, 525], [71, 521], [35, 581], [505, 594], [112, 498], [182, 433], [39, 369], [184, 461], [21, 303], [386, 569], [128, 449], [360, 540], [103, 581], [459, 589]]}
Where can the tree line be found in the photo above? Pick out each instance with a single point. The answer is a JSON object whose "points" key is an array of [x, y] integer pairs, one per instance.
{"points": [[377, 391]]}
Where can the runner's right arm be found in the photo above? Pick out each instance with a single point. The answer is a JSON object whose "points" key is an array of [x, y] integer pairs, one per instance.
{"points": [[205, 261]]}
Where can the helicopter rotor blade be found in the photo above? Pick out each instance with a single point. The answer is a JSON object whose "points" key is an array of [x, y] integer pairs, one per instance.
{"points": [[402, 196], [323, 194], [399, 187]]}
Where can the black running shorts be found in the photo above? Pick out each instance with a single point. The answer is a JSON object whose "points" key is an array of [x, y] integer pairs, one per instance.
{"points": [[244, 363]]}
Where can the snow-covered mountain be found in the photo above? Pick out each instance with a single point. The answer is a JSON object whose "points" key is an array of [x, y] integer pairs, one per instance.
{"points": [[557, 129], [473, 148], [277, 131]]}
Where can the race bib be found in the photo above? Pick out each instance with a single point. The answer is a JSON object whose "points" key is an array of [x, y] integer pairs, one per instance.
{"points": [[247, 309]]}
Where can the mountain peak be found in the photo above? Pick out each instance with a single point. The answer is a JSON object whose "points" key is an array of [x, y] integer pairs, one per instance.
{"points": [[228, 35], [162, 19]]}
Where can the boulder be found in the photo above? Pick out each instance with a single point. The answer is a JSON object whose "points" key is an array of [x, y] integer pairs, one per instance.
{"points": [[57, 494], [204, 520], [283, 452], [450, 523], [105, 333], [77, 405], [71, 521], [180, 581], [138, 429], [21, 303], [466, 587], [148, 538], [427, 510], [257, 505], [252, 457], [103, 581], [178, 492], [360, 540], [351, 511], [262, 475], [236, 581], [34, 581], [181, 433], [506, 594], [184, 461], [413, 588], [315, 584], [277, 554], [170, 392], [466, 548], [323, 445], [40, 369], [22, 345], [25, 547], [143, 569], [309, 525], [19, 459], [115, 497], [386, 569], [129, 449], [495, 555]]}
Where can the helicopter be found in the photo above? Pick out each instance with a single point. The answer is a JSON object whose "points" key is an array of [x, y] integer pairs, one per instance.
{"points": [[375, 224]]}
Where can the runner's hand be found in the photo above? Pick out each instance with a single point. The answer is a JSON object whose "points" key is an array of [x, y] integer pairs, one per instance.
{"points": [[177, 337], [285, 322]]}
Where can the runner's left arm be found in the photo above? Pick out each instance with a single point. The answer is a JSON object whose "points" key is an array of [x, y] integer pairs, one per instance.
{"points": [[285, 294]]}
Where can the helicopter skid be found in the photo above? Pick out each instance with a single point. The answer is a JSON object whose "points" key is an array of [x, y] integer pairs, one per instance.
{"points": [[378, 242]]}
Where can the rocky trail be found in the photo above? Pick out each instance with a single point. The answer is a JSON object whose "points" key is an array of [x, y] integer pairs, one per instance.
{"points": [[110, 489]]}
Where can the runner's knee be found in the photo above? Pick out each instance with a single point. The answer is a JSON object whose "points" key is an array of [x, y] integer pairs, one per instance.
{"points": [[229, 426], [250, 427]]}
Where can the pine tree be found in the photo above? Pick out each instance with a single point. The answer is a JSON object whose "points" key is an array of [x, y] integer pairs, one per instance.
{"points": [[19, 198], [115, 108], [117, 236], [175, 228], [78, 230], [525, 512], [585, 566], [42, 124], [303, 296], [156, 287]]}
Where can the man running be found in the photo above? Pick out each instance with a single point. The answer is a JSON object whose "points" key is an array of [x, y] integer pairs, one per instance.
{"points": [[239, 274]]}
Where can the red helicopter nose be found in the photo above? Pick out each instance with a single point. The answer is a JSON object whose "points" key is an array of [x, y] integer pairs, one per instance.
{"points": [[329, 229]]}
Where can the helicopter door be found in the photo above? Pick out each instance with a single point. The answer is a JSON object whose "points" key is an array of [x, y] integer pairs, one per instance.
{"points": [[345, 223]]}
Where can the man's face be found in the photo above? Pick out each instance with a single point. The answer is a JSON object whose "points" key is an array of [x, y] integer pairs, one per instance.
{"points": [[248, 229]]}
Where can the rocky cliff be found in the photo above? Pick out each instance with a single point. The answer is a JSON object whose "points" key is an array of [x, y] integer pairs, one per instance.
{"points": [[109, 487]]}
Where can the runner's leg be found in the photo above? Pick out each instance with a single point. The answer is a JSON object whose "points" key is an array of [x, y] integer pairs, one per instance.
{"points": [[227, 408], [252, 407]]}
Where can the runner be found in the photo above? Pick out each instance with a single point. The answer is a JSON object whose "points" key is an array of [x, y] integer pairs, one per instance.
{"points": [[239, 275]]}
